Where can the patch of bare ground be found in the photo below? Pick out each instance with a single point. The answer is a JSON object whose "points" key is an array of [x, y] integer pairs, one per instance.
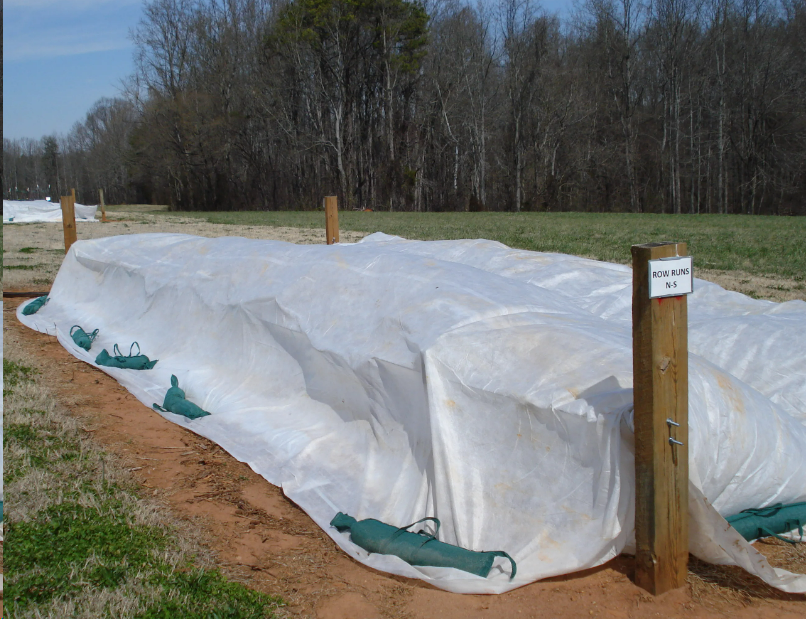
{"points": [[263, 539], [777, 289]]}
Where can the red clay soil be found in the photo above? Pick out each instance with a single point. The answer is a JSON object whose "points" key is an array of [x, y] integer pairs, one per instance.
{"points": [[266, 540]]}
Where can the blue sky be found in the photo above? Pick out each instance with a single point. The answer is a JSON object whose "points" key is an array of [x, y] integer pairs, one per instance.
{"points": [[59, 57]]}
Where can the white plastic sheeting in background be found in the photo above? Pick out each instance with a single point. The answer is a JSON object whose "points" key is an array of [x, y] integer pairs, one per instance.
{"points": [[489, 387], [42, 211]]}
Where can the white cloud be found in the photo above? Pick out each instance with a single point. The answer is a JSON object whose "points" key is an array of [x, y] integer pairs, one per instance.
{"points": [[49, 47]]}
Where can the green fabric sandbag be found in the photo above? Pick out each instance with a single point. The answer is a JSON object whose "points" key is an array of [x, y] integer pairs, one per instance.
{"points": [[416, 548], [132, 362], [770, 521], [34, 306], [82, 338], [176, 403]]}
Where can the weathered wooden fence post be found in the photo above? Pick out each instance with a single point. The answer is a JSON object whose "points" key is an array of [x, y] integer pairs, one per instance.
{"points": [[68, 204], [662, 277], [103, 206], [331, 219]]}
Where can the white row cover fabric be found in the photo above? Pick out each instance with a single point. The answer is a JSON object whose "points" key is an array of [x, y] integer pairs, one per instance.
{"points": [[42, 211], [486, 386]]}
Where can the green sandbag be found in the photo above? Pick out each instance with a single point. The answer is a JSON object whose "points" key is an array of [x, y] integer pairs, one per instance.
{"points": [[34, 306], [416, 548], [82, 338], [176, 403], [130, 362], [770, 521]]}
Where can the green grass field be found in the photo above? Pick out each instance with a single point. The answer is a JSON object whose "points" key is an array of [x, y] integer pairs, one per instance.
{"points": [[757, 245], [79, 540]]}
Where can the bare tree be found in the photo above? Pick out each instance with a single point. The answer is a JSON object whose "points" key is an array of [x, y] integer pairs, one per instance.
{"points": [[640, 105]]}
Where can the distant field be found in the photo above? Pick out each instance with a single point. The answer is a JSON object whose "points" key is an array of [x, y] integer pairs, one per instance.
{"points": [[758, 245], [763, 257]]}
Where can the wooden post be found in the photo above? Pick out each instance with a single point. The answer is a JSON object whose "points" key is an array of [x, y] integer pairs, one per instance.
{"points": [[68, 221], [331, 219], [103, 206], [660, 381]]}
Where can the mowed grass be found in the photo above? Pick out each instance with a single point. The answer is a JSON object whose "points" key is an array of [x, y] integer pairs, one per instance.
{"points": [[758, 245], [81, 543]]}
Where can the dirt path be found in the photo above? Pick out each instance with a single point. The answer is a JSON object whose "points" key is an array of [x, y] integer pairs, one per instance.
{"points": [[267, 541]]}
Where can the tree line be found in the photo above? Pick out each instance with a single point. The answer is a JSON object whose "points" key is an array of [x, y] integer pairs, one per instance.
{"points": [[663, 106]]}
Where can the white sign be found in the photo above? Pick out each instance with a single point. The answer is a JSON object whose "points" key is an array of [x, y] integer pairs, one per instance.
{"points": [[671, 277]]}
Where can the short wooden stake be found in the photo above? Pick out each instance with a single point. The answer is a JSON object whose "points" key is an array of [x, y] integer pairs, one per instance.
{"points": [[68, 204], [331, 219], [660, 381], [103, 207]]}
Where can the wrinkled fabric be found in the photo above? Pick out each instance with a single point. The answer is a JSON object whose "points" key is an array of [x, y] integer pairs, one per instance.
{"points": [[175, 402], [774, 520], [42, 211], [130, 361], [34, 306], [485, 386], [419, 548], [81, 338]]}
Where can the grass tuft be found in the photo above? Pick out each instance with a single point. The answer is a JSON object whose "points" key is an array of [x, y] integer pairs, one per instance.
{"points": [[14, 374], [23, 267]]}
